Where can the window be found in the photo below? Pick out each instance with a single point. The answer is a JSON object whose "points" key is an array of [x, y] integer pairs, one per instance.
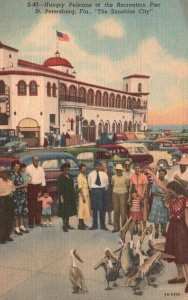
{"points": [[118, 101], [111, 103], [126, 87], [90, 97], [72, 93], [124, 102], [2, 87], [98, 98], [48, 89], [50, 164], [72, 163], [32, 88], [82, 95], [62, 91], [21, 88], [140, 87], [85, 156], [54, 90], [105, 99], [52, 118]]}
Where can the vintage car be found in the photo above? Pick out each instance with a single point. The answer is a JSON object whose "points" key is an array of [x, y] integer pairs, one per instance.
{"points": [[174, 142], [161, 158], [120, 151], [12, 143], [88, 155], [157, 146]]}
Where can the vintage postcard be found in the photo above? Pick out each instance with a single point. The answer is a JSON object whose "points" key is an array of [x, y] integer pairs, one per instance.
{"points": [[89, 73]]}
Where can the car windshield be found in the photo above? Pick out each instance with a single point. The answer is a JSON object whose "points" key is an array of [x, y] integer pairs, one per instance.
{"points": [[85, 156], [137, 150]]}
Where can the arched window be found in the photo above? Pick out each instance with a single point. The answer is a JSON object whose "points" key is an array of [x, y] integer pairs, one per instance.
{"points": [[2, 87], [90, 97], [72, 93], [54, 90], [129, 103], [126, 87], [85, 130], [48, 89], [82, 95], [111, 102], [98, 98], [62, 92], [92, 131], [33, 88], [123, 102], [107, 127], [138, 103], [100, 129], [125, 126], [130, 126], [105, 99], [119, 127], [118, 101], [139, 87], [134, 105], [22, 88], [114, 127]]}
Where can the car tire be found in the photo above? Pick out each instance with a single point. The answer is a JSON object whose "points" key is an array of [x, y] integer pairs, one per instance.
{"points": [[162, 162]]}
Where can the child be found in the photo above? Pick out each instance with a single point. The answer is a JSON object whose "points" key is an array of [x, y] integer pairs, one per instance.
{"points": [[46, 209], [135, 210], [25, 175]]}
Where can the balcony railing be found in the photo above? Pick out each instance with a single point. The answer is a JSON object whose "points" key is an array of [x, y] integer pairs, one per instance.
{"points": [[69, 98]]}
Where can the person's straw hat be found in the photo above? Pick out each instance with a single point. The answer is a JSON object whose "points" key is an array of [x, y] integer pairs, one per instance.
{"points": [[2, 169], [183, 161], [119, 167]]}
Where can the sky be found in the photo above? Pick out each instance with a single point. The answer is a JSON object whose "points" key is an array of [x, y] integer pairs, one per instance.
{"points": [[104, 48]]}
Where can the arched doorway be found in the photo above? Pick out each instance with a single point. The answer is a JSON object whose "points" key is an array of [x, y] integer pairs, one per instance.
{"points": [[29, 131], [119, 127], [100, 129], [84, 130], [125, 126], [114, 127], [107, 127], [92, 131], [130, 126]]}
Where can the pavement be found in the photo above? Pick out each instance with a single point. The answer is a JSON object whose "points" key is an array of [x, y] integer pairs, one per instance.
{"points": [[35, 266]]}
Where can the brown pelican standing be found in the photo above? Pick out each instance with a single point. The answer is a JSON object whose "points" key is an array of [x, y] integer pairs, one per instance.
{"points": [[111, 267], [76, 276]]}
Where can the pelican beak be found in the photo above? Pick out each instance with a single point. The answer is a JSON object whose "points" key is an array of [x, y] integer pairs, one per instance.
{"points": [[110, 254], [77, 256]]}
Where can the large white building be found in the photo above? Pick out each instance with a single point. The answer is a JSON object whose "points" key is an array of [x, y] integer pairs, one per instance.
{"points": [[37, 98]]}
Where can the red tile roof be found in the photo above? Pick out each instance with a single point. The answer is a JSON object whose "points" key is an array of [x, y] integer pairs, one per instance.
{"points": [[29, 64], [57, 61]]}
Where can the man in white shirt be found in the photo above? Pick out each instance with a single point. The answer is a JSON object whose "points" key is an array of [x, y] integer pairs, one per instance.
{"points": [[34, 190], [98, 183], [182, 174]]}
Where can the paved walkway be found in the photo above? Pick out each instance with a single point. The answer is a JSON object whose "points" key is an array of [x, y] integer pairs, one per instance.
{"points": [[36, 266]]}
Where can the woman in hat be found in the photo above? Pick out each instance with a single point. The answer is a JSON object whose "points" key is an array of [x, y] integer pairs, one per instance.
{"points": [[177, 233], [6, 206], [120, 192]]}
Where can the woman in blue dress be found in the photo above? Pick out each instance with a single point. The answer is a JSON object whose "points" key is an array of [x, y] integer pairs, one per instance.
{"points": [[159, 214], [19, 199]]}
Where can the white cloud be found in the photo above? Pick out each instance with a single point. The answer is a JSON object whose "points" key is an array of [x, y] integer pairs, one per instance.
{"points": [[110, 28]]}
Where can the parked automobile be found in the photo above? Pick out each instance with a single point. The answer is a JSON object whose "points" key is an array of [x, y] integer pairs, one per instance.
{"points": [[157, 146], [88, 155], [6, 160], [121, 151], [51, 161], [12, 143], [161, 158], [174, 142]]}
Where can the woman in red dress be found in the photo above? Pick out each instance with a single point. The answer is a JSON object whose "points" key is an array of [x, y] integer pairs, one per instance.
{"points": [[177, 234]]}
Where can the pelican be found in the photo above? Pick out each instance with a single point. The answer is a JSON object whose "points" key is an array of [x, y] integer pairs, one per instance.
{"points": [[111, 265], [75, 274]]}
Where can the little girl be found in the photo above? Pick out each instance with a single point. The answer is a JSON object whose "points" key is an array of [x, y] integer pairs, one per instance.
{"points": [[135, 210], [46, 209]]}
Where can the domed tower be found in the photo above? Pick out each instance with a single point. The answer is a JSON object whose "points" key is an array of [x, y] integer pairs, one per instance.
{"points": [[59, 63]]}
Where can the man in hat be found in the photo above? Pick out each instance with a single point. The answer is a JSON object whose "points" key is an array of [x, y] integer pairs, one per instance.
{"points": [[120, 196], [98, 184], [6, 206], [182, 174]]}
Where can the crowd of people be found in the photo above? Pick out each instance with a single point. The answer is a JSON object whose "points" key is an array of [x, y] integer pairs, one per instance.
{"points": [[144, 194]]}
